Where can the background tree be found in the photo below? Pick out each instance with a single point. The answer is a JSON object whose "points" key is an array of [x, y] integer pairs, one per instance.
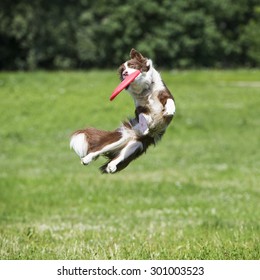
{"points": [[73, 34]]}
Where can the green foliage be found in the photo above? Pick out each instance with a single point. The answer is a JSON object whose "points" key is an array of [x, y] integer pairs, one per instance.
{"points": [[250, 38], [194, 196], [64, 34]]}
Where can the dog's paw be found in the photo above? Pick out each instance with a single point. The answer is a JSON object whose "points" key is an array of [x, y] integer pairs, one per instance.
{"points": [[111, 167], [169, 108], [145, 132], [143, 123], [87, 159]]}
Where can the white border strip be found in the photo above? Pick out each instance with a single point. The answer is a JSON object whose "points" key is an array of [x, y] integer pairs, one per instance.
{"points": [[170, 269]]}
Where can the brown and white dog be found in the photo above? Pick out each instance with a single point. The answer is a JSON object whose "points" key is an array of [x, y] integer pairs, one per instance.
{"points": [[154, 110]]}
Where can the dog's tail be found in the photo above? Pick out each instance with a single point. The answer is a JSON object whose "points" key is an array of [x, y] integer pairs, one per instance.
{"points": [[91, 139], [79, 144]]}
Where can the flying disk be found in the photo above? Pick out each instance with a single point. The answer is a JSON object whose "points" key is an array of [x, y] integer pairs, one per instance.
{"points": [[127, 81]]}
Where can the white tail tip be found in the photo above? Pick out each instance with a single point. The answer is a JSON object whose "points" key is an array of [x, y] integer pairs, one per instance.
{"points": [[79, 144]]}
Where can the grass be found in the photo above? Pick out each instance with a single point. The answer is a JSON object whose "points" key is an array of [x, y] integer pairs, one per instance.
{"points": [[194, 196]]}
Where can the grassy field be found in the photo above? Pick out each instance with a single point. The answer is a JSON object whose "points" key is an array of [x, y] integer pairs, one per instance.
{"points": [[195, 196]]}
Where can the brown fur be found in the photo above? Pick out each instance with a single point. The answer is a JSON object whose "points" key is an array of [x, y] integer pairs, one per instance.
{"points": [[98, 139], [164, 95], [141, 109]]}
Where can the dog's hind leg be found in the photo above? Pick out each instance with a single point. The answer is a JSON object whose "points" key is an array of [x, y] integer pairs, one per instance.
{"points": [[131, 148], [106, 149]]}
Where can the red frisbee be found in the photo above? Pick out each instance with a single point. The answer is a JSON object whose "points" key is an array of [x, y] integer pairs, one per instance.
{"points": [[128, 80]]}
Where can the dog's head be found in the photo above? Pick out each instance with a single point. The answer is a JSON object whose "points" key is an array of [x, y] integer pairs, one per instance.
{"points": [[137, 62]]}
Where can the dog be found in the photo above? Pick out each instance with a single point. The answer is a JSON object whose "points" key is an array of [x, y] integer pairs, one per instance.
{"points": [[154, 110]]}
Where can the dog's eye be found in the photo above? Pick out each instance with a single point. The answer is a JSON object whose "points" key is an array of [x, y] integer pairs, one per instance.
{"points": [[133, 66]]}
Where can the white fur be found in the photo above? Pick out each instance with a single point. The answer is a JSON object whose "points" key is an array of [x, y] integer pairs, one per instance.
{"points": [[157, 80], [141, 82], [169, 108], [128, 71], [127, 151], [79, 144]]}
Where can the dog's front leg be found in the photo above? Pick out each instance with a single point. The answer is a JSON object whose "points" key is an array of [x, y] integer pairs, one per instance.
{"points": [[143, 124], [127, 151], [169, 108]]}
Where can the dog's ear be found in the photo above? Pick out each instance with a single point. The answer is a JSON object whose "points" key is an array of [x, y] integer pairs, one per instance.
{"points": [[149, 64], [135, 54]]}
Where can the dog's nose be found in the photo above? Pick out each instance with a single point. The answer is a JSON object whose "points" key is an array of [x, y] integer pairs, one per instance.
{"points": [[125, 73]]}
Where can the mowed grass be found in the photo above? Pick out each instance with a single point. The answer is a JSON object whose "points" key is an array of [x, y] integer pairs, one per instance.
{"points": [[194, 196]]}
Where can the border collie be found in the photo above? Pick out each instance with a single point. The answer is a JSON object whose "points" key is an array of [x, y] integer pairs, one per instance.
{"points": [[154, 110]]}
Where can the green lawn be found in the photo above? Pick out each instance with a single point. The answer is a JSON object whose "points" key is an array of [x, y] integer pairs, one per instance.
{"points": [[195, 196]]}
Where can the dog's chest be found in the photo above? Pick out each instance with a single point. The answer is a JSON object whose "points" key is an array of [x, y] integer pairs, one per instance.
{"points": [[156, 108], [154, 105], [149, 105], [153, 110]]}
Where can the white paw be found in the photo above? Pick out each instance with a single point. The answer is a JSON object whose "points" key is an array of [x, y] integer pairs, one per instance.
{"points": [[143, 123], [141, 130], [87, 159], [111, 167], [169, 108], [145, 132]]}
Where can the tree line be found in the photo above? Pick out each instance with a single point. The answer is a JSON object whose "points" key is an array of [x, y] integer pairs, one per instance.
{"points": [[74, 34]]}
